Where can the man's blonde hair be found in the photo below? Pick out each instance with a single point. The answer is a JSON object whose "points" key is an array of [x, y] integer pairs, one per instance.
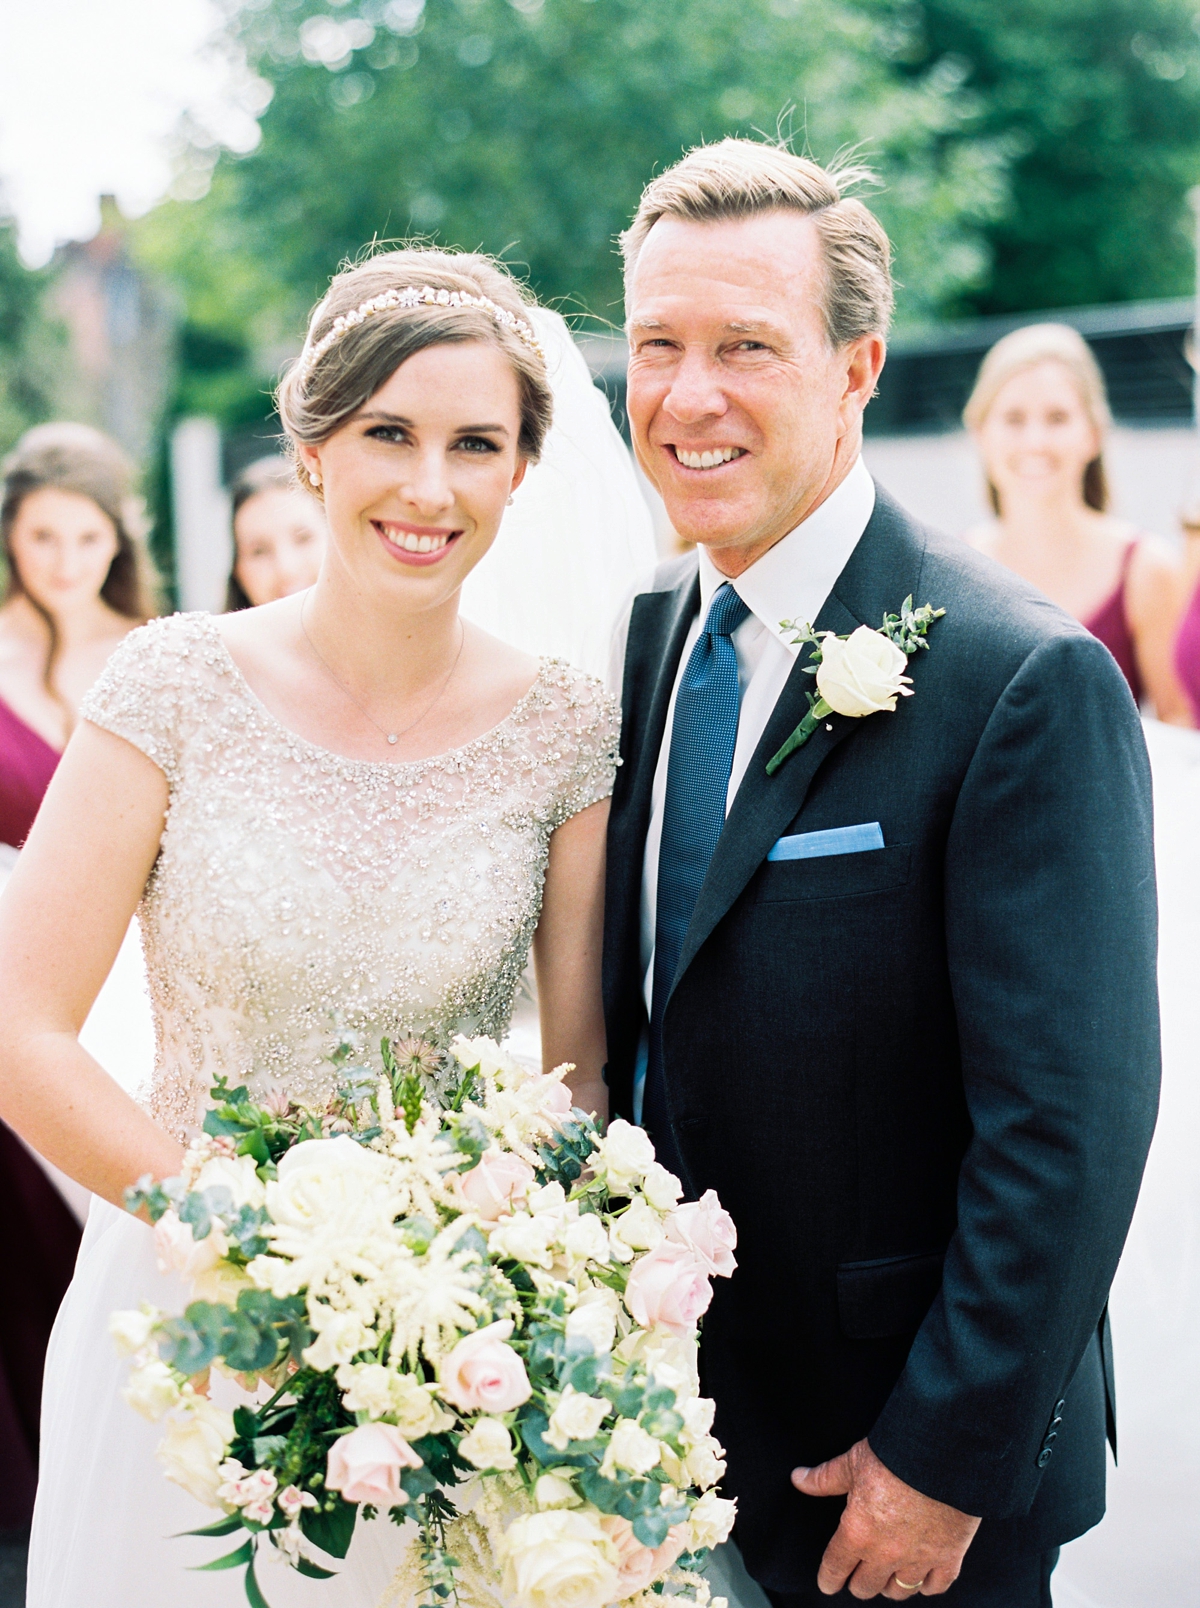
{"points": [[739, 178]]}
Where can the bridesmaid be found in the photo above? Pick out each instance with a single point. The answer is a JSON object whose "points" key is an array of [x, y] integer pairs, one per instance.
{"points": [[278, 536], [1187, 643], [1039, 416], [78, 581]]}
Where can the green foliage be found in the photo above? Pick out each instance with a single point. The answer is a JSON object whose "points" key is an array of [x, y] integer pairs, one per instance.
{"points": [[248, 1338], [563, 1161], [1099, 103], [31, 342], [528, 128]]}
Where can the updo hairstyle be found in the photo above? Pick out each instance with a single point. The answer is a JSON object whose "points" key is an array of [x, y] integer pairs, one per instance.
{"points": [[316, 402]]}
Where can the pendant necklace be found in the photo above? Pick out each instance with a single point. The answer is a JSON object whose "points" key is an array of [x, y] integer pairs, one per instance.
{"points": [[392, 737]]}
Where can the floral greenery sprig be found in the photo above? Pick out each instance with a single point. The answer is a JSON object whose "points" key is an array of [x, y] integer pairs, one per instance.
{"points": [[859, 674], [475, 1296]]}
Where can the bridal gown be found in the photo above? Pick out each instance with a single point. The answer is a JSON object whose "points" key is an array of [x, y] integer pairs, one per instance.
{"points": [[299, 900]]}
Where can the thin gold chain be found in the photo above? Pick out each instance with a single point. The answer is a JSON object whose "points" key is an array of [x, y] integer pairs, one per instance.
{"points": [[391, 736]]}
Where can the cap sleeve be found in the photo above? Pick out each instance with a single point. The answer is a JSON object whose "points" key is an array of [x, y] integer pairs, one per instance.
{"points": [[588, 744], [143, 690]]}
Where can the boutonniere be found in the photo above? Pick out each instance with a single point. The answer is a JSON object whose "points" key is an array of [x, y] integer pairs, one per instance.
{"points": [[860, 674]]}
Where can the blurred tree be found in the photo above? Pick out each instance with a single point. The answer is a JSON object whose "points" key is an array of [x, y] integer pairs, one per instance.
{"points": [[1100, 102], [528, 127], [31, 343]]}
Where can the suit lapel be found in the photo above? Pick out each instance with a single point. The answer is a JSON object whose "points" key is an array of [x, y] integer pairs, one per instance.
{"points": [[883, 569], [658, 628]]}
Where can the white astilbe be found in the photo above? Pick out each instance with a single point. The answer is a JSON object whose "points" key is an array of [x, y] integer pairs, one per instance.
{"points": [[426, 1160], [430, 1300]]}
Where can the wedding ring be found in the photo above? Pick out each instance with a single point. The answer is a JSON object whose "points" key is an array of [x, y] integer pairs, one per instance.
{"points": [[904, 1585]]}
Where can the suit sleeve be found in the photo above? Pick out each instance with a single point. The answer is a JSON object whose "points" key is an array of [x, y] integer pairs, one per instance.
{"points": [[1051, 935]]}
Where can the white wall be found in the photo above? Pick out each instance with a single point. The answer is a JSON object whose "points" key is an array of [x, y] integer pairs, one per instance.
{"points": [[938, 478]]}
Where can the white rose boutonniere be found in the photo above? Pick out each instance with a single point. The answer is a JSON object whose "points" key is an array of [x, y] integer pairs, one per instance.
{"points": [[860, 674]]}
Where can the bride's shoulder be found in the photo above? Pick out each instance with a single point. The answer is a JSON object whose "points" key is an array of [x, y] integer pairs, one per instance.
{"points": [[578, 726], [155, 680], [578, 698]]}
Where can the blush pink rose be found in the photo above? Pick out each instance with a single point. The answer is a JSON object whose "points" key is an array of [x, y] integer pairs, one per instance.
{"points": [[558, 1099], [706, 1228], [483, 1374], [492, 1183], [639, 1566], [669, 1287], [365, 1465]]}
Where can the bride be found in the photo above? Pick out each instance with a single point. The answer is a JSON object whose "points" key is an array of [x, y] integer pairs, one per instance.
{"points": [[344, 815]]}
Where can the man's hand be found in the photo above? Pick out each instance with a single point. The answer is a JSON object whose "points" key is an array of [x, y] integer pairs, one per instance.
{"points": [[891, 1539]]}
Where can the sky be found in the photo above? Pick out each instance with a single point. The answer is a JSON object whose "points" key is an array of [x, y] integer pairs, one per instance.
{"points": [[90, 93]]}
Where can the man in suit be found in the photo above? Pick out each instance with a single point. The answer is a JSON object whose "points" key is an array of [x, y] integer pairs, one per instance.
{"points": [[896, 1001]]}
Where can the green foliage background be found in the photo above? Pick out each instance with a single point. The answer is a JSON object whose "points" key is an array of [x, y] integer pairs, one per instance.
{"points": [[1032, 153]]}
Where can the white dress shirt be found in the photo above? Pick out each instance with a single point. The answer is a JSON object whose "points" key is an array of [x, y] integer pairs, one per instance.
{"points": [[789, 582]]}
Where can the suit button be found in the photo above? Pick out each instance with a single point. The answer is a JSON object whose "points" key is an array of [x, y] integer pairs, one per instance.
{"points": [[1059, 1405], [1044, 1456]]}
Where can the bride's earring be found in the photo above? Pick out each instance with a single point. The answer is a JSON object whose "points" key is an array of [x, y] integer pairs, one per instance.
{"points": [[510, 502], [314, 479]]}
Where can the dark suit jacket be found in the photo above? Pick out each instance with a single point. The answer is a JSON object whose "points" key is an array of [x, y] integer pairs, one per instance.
{"points": [[923, 1078]]}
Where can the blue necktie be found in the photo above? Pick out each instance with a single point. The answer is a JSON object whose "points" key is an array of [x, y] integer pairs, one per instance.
{"points": [[703, 736]]}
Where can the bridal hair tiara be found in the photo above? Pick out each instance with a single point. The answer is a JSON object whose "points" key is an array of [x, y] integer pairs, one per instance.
{"points": [[414, 296]]}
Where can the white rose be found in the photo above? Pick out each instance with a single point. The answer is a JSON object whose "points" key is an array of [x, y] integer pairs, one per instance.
{"points": [[594, 1321], [415, 1410], [523, 1238], [711, 1521], [549, 1198], [179, 1252], [576, 1418], [488, 1445], [132, 1330], [552, 1491], [585, 1240], [152, 1390], [630, 1447], [194, 1449], [638, 1227], [485, 1054], [367, 1388], [558, 1559], [340, 1337], [661, 1188], [221, 1283], [626, 1153], [863, 675], [381, 1392], [238, 1175], [328, 1187], [698, 1414], [704, 1463]]}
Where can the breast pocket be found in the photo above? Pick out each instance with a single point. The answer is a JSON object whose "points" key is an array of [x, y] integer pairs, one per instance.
{"points": [[835, 876]]}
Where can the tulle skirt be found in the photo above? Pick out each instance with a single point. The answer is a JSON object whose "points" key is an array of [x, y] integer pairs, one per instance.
{"points": [[106, 1514]]}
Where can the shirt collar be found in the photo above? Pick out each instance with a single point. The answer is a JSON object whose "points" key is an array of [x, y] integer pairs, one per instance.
{"points": [[792, 580]]}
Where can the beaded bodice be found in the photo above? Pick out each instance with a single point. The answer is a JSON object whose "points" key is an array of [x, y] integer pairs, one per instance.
{"points": [[301, 900]]}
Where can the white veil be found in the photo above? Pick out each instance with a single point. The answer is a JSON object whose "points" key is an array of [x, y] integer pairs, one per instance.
{"points": [[579, 532]]}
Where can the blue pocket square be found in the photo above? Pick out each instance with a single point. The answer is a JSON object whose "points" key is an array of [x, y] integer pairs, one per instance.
{"points": [[838, 840]]}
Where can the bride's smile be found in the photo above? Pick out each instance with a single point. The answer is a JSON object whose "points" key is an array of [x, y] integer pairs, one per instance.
{"points": [[416, 481]]}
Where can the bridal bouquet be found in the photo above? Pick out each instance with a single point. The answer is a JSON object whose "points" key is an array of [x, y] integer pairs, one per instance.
{"points": [[465, 1310]]}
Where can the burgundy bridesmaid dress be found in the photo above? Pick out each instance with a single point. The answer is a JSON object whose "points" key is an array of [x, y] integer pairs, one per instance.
{"points": [[1187, 655], [1111, 624], [41, 1236]]}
